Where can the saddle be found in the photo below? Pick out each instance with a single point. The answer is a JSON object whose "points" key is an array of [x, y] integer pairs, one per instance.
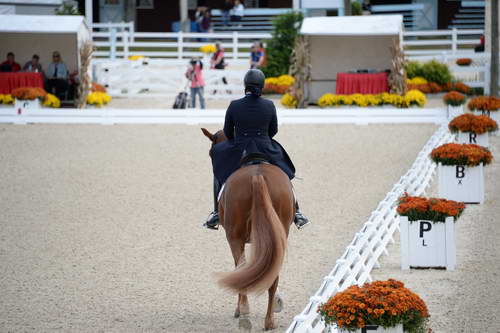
{"points": [[254, 159]]}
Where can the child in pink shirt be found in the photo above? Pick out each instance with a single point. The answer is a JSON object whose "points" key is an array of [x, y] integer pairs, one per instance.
{"points": [[195, 75]]}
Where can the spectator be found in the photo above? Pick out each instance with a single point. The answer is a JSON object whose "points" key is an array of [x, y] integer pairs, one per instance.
{"points": [[195, 75], [263, 51], [10, 65], [225, 10], [198, 16], [33, 65], [218, 62], [480, 47], [57, 76], [238, 12], [256, 56], [206, 21]]}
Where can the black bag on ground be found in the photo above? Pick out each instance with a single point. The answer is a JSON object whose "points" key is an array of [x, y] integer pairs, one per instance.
{"points": [[181, 101]]}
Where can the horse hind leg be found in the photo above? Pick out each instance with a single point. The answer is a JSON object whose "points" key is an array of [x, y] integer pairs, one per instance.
{"points": [[269, 321], [278, 303], [238, 251]]}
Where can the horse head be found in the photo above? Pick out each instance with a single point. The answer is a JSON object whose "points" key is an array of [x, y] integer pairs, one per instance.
{"points": [[216, 138]]}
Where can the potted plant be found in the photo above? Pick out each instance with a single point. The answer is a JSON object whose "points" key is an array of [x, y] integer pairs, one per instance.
{"points": [[380, 306], [473, 129], [28, 98], [464, 61], [427, 231], [486, 105], [51, 101], [6, 99], [98, 98], [460, 171], [455, 102]]}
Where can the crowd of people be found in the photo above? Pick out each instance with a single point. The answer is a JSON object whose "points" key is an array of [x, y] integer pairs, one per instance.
{"points": [[57, 78], [232, 13]]}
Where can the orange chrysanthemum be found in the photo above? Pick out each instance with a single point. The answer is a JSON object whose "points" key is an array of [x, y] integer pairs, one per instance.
{"points": [[433, 209], [471, 123], [380, 302], [461, 154]]}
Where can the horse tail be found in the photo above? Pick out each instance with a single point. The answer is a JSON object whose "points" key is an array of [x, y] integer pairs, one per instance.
{"points": [[269, 242]]}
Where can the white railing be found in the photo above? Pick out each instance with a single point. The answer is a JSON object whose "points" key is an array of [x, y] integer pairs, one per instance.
{"points": [[362, 254], [118, 40], [163, 78], [107, 116]]}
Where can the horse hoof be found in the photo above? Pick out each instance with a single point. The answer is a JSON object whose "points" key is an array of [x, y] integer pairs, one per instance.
{"points": [[269, 327], [244, 324], [237, 314], [278, 304]]}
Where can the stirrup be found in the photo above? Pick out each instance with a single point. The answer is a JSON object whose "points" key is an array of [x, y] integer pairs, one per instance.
{"points": [[212, 221], [300, 220]]}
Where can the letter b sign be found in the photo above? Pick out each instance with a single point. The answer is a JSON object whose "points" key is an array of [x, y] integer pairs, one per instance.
{"points": [[460, 173]]}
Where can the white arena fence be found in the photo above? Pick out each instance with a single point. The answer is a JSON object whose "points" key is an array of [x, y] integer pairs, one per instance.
{"points": [[118, 40], [108, 116], [163, 78], [362, 254]]}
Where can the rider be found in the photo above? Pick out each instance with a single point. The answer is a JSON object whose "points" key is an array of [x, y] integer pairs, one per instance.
{"points": [[249, 126]]}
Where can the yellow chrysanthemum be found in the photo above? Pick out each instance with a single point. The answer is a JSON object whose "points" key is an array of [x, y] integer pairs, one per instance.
{"points": [[417, 80], [51, 101], [210, 48], [98, 98], [135, 57], [6, 99], [289, 101]]}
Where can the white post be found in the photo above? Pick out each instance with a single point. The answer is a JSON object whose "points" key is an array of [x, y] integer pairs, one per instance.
{"points": [[487, 78], [89, 13], [296, 4], [131, 30], [183, 5], [404, 230], [125, 40], [454, 38], [180, 44], [451, 253], [112, 42], [235, 45]]}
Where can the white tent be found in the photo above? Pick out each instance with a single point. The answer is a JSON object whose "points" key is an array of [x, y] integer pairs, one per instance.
{"points": [[346, 43], [26, 35]]}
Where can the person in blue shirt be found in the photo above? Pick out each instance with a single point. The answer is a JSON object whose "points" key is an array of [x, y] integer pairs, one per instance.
{"points": [[57, 76], [256, 56]]}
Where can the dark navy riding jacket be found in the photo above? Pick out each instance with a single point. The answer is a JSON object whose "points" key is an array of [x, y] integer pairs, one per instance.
{"points": [[250, 124]]}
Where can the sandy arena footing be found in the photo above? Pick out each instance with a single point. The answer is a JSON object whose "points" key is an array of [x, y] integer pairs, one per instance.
{"points": [[101, 225]]}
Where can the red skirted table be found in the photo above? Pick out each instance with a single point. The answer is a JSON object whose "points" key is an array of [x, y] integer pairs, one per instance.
{"points": [[362, 83], [10, 81]]}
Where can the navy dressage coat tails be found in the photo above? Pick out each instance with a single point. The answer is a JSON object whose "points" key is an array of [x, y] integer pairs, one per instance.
{"points": [[250, 124]]}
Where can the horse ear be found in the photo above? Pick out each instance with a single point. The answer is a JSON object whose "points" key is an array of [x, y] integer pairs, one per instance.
{"points": [[208, 134]]}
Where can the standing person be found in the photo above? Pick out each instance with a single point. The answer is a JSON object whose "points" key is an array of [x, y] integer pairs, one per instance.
{"points": [[225, 10], [57, 76], [206, 21], [218, 62], [256, 56], [10, 65], [238, 12], [33, 65], [195, 75], [263, 52], [250, 125], [198, 16]]}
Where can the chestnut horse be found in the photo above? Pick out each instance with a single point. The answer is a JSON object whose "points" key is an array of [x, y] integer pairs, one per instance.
{"points": [[257, 207]]}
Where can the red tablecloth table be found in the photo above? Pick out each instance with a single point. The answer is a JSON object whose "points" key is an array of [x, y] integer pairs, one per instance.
{"points": [[11, 81], [362, 83]]}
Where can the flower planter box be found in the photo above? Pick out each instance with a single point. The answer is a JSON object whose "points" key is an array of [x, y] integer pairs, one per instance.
{"points": [[21, 105], [461, 183], [455, 111], [377, 329], [427, 244], [469, 137]]}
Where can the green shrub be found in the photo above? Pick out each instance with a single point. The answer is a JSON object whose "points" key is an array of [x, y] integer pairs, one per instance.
{"points": [[356, 9], [413, 69], [279, 49], [434, 71]]}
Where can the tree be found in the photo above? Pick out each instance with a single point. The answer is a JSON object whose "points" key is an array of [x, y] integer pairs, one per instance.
{"points": [[347, 8], [494, 49], [286, 27]]}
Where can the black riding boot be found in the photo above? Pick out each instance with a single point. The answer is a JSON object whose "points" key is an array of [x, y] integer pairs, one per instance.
{"points": [[300, 220], [213, 219]]}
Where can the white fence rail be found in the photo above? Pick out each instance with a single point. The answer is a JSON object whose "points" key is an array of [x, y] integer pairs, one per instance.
{"points": [[163, 78], [362, 254], [118, 40], [108, 116]]}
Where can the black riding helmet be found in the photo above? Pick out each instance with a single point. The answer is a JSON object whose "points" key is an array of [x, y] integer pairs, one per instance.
{"points": [[254, 81]]}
